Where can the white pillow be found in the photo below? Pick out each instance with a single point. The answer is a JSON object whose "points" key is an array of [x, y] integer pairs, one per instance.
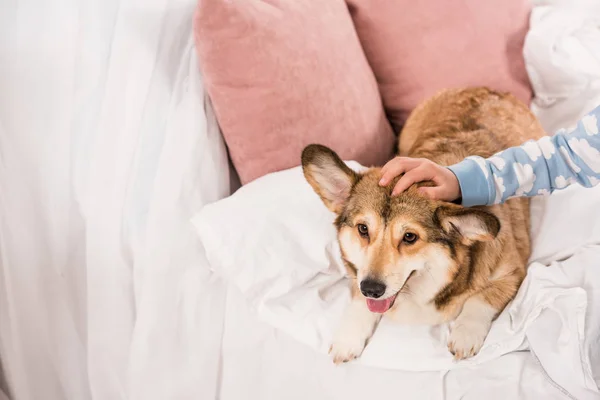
{"points": [[275, 241]]}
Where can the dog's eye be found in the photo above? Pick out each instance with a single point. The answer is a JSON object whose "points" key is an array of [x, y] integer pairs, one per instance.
{"points": [[409, 238], [363, 230]]}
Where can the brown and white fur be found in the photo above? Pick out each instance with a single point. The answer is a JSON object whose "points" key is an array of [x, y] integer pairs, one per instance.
{"points": [[421, 261]]}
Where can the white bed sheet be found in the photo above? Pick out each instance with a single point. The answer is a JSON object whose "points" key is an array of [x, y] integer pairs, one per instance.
{"points": [[105, 153], [259, 362]]}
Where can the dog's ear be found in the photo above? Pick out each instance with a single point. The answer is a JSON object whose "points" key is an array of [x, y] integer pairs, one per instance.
{"points": [[473, 225], [328, 175]]}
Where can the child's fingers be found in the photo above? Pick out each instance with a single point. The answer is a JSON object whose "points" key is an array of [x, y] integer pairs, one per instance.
{"points": [[413, 176], [396, 167], [389, 166]]}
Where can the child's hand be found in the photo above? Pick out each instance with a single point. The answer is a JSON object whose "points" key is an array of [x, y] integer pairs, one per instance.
{"points": [[417, 170]]}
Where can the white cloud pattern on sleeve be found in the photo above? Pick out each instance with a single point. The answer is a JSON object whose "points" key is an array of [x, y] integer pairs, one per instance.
{"points": [[561, 182], [533, 150], [481, 162], [586, 152], [590, 124], [498, 162], [500, 189], [547, 147], [574, 167], [525, 177]]}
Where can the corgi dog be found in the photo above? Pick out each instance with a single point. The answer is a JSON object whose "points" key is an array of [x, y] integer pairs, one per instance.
{"points": [[422, 261]]}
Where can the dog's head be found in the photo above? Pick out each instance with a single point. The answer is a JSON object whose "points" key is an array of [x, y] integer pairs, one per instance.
{"points": [[391, 240]]}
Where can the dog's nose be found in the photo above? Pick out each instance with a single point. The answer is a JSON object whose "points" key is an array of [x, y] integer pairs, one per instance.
{"points": [[372, 288]]}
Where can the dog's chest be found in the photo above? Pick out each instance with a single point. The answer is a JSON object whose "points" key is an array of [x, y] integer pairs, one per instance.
{"points": [[409, 311], [417, 306]]}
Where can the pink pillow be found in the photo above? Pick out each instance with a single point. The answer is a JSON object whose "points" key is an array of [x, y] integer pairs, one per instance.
{"points": [[286, 73], [416, 48]]}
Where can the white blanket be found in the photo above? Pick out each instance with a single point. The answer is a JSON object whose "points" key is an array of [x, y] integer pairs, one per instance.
{"points": [[562, 56], [107, 148]]}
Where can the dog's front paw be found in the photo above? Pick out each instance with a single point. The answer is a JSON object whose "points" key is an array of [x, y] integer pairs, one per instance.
{"points": [[467, 337], [346, 349]]}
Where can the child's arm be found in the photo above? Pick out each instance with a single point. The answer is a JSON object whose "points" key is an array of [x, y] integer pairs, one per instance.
{"points": [[535, 168]]}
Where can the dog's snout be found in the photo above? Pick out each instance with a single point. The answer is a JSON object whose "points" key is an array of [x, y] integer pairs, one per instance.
{"points": [[372, 288]]}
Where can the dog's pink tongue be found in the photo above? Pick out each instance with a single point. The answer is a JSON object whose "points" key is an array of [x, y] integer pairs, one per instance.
{"points": [[380, 306]]}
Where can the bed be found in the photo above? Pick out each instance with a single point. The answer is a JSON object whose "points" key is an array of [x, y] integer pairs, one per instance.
{"points": [[109, 146]]}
